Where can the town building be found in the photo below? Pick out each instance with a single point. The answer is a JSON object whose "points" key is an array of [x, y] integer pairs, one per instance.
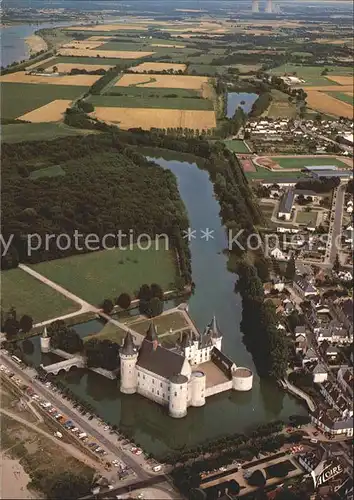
{"points": [[304, 287], [183, 376]]}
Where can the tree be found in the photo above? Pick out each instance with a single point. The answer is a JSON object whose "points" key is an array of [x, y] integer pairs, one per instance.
{"points": [[11, 328], [26, 323], [28, 347], [156, 291], [55, 69], [66, 485], [123, 301], [107, 306], [262, 266], [290, 270], [336, 264], [64, 338], [155, 307]]}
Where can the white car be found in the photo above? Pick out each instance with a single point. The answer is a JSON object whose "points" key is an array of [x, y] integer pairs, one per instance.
{"points": [[106, 428], [138, 451]]}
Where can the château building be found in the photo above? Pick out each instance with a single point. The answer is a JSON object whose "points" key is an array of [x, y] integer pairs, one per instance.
{"points": [[183, 376]]}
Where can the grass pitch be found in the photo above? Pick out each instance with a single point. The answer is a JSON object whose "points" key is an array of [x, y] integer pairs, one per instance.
{"points": [[30, 296], [105, 274], [236, 146], [299, 162], [342, 97]]}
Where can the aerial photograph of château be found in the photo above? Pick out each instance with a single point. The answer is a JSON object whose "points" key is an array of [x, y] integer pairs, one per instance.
{"points": [[176, 246]]}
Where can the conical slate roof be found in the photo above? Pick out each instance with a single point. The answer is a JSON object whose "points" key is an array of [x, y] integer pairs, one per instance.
{"points": [[151, 333], [128, 345], [45, 333], [214, 329]]}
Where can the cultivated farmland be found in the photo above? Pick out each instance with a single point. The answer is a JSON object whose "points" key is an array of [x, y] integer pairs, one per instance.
{"points": [[163, 81], [67, 67], [72, 80], [155, 66], [121, 54], [52, 112], [325, 103], [148, 118], [97, 275], [151, 102], [20, 98]]}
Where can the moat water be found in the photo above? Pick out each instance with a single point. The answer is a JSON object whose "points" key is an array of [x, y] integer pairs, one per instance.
{"points": [[230, 412]]}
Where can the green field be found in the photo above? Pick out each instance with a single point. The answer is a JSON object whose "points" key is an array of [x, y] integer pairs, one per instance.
{"points": [[151, 102], [19, 132], [312, 74], [264, 173], [125, 46], [52, 171], [165, 323], [299, 162], [30, 296], [109, 332], [236, 146], [151, 92], [342, 97], [309, 218], [99, 275], [280, 107], [20, 98], [105, 61], [206, 69]]}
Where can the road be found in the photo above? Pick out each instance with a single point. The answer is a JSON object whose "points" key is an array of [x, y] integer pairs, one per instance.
{"points": [[81, 422], [335, 225], [72, 450], [84, 306]]}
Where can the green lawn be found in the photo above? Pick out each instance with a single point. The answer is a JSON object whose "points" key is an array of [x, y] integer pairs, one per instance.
{"points": [[151, 102], [19, 132], [298, 162], [52, 171], [236, 146], [163, 324], [108, 332], [126, 46], [342, 97], [206, 69], [20, 98], [264, 173], [105, 274], [306, 218], [311, 74], [30, 296]]}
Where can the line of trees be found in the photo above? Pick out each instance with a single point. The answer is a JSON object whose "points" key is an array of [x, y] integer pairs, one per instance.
{"points": [[268, 345]]}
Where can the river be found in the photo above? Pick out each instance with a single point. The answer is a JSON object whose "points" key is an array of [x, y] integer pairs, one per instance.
{"points": [[13, 44], [229, 412]]}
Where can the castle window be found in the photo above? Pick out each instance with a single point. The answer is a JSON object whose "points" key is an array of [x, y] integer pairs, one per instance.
{"points": [[163, 394], [138, 374], [153, 390], [144, 377], [175, 394], [153, 380], [160, 384], [158, 393]]}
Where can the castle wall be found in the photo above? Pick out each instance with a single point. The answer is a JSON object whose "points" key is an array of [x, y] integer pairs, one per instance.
{"points": [[153, 386], [217, 389]]}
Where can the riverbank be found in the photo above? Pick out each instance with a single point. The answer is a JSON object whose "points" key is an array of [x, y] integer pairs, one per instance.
{"points": [[36, 44]]}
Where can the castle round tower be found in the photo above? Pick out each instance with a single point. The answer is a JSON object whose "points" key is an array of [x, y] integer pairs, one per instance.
{"points": [[128, 357], [178, 396], [242, 379], [198, 382], [45, 341]]}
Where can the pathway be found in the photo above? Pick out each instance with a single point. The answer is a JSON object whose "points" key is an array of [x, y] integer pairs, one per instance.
{"points": [[79, 455], [84, 306], [300, 393]]}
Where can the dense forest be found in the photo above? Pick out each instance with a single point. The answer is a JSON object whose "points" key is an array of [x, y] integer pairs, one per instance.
{"points": [[104, 187]]}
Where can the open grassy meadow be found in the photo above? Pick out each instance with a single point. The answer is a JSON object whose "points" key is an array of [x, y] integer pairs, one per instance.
{"points": [[311, 74], [18, 99], [19, 132], [309, 218], [30, 296], [109, 332], [164, 324], [280, 106], [299, 162], [236, 146], [151, 102], [99, 275], [148, 92]]}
